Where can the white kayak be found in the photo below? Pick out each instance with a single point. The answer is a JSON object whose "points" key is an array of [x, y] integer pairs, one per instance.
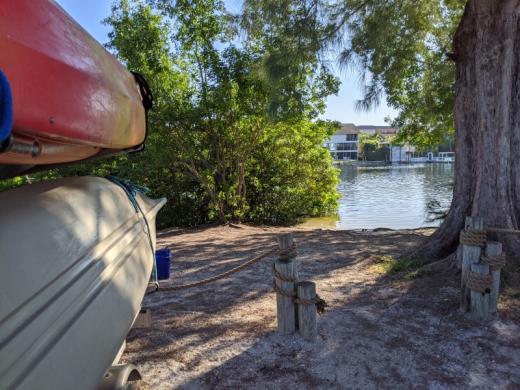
{"points": [[76, 257]]}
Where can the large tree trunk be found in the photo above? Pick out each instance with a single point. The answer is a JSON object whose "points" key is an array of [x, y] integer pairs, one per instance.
{"points": [[487, 121]]}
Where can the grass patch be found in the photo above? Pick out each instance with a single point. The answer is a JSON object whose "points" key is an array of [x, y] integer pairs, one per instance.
{"points": [[389, 265], [418, 273], [512, 292]]}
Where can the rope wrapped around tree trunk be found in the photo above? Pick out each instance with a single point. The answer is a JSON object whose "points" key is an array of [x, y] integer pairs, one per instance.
{"points": [[473, 237], [495, 262], [479, 282]]}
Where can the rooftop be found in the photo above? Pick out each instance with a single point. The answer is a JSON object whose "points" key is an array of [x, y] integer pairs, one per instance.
{"points": [[351, 128]]}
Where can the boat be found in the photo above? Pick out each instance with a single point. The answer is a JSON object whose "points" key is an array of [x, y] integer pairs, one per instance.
{"points": [[63, 97], [76, 259]]}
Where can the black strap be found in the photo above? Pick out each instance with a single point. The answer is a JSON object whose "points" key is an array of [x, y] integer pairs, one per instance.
{"points": [[147, 96]]}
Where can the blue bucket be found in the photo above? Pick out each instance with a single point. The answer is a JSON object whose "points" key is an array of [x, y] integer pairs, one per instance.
{"points": [[162, 259]]}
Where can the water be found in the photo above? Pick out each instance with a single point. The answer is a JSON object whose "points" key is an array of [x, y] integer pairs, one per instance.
{"points": [[391, 196]]}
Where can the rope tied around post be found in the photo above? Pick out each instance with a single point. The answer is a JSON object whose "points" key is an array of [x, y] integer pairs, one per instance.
{"points": [[287, 254], [278, 275], [473, 237], [317, 300], [289, 294], [479, 282], [495, 262], [284, 278]]}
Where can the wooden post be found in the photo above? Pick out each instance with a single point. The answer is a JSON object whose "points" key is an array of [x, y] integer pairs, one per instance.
{"points": [[286, 268], [285, 241], [494, 248], [143, 319], [480, 301], [470, 255], [306, 291]]}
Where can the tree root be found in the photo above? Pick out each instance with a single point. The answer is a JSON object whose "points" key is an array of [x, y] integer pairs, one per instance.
{"points": [[447, 263]]}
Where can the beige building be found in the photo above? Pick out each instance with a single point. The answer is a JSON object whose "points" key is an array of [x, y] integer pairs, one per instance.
{"points": [[344, 144]]}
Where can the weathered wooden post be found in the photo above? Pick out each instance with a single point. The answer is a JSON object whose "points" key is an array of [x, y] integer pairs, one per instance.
{"points": [[143, 319], [307, 313], [472, 239], [496, 260], [285, 276], [479, 283]]}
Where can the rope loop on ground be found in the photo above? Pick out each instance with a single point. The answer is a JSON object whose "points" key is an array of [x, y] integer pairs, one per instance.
{"points": [[288, 253], [473, 237], [202, 282], [495, 262], [479, 282]]}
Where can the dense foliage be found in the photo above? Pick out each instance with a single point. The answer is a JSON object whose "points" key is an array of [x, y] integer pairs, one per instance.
{"points": [[225, 144], [372, 147]]}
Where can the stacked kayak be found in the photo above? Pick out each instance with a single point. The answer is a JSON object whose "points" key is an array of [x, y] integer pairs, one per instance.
{"points": [[63, 97], [76, 257], [76, 254]]}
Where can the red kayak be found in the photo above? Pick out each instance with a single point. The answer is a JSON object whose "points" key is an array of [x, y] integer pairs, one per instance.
{"points": [[63, 97]]}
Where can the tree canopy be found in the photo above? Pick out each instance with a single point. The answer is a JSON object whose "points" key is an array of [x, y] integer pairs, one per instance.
{"points": [[225, 144], [401, 48]]}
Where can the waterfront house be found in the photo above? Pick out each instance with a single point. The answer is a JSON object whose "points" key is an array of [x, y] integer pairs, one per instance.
{"points": [[344, 144]]}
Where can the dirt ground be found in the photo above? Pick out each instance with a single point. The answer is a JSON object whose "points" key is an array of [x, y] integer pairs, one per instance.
{"points": [[379, 331]]}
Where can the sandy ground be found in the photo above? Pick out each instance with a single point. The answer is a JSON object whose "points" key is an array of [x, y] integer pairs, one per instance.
{"points": [[378, 332]]}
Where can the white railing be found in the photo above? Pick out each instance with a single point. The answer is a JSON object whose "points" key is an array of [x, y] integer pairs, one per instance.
{"points": [[424, 159]]}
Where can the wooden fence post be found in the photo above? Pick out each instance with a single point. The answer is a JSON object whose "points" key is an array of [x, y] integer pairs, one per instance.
{"points": [[286, 274], [480, 299], [306, 292], [470, 255], [494, 249]]}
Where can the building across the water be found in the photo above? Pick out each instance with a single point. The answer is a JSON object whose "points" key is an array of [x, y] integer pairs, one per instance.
{"points": [[344, 144]]}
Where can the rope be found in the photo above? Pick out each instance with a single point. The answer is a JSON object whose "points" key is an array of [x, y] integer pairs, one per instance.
{"points": [[497, 230], [473, 237], [286, 293], [280, 276], [495, 262], [131, 191], [317, 300], [288, 253], [502, 230], [202, 282], [479, 282]]}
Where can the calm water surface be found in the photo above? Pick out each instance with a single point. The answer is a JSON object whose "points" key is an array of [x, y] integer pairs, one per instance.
{"points": [[395, 196]]}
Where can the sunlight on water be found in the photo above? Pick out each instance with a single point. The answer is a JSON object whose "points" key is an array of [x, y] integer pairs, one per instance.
{"points": [[393, 196]]}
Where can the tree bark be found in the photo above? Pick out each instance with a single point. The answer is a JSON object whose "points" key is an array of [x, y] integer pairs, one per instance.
{"points": [[486, 50]]}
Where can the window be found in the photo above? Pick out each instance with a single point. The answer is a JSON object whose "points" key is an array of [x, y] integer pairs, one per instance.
{"points": [[347, 146], [345, 156]]}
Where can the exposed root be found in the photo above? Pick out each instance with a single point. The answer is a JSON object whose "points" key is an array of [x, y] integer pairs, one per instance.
{"points": [[449, 262]]}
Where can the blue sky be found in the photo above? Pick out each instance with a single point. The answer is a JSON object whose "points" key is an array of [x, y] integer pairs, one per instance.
{"points": [[89, 14]]}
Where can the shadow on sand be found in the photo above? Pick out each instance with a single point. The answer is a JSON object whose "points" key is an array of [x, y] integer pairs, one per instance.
{"points": [[379, 331]]}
